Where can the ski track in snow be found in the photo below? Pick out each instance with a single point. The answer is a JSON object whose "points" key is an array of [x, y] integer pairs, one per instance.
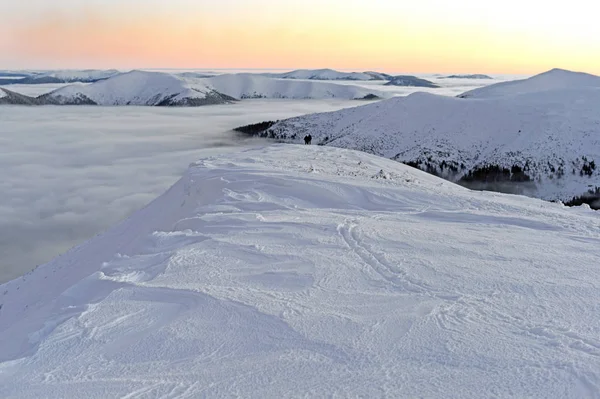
{"points": [[301, 271]]}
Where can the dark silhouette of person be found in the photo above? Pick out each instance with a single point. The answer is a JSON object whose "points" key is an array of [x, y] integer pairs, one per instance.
{"points": [[307, 139]]}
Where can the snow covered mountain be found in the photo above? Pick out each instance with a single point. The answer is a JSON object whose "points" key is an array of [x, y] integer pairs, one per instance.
{"points": [[12, 98], [67, 76], [554, 79], [411, 81], [138, 88], [543, 144], [320, 272], [328, 74], [164, 89]]}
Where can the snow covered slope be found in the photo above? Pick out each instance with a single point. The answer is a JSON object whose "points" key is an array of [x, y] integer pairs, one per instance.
{"points": [[138, 88], [546, 144], [328, 74], [244, 86], [320, 272], [554, 79]]}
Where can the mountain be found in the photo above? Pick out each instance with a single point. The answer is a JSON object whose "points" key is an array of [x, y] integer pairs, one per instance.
{"points": [[411, 81], [554, 79], [138, 88], [67, 76], [164, 89], [474, 76], [314, 272], [543, 144], [245, 86], [328, 74], [8, 97]]}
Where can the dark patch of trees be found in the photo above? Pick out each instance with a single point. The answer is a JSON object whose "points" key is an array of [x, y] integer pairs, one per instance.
{"points": [[592, 198], [255, 129]]}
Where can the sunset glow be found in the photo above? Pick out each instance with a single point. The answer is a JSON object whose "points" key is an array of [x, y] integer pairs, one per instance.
{"points": [[511, 36]]}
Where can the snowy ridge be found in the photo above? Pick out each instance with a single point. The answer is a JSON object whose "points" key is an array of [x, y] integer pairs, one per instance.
{"points": [[328, 74], [243, 86], [325, 272], [555, 79], [553, 136]]}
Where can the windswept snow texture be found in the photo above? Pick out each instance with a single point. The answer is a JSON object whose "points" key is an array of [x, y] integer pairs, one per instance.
{"points": [[244, 86], [319, 272], [553, 136], [328, 74], [555, 79], [410, 81]]}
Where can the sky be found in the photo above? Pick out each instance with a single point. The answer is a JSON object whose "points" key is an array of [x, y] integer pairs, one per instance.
{"points": [[427, 36]]}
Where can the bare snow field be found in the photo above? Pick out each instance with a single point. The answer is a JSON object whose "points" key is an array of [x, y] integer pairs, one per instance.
{"points": [[308, 271], [71, 172]]}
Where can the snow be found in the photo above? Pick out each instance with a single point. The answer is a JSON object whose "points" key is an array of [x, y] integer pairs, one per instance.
{"points": [[2, 93], [328, 74], [242, 86], [552, 130], [555, 79], [314, 271]]}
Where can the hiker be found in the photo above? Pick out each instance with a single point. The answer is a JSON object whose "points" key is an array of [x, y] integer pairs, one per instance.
{"points": [[307, 139]]}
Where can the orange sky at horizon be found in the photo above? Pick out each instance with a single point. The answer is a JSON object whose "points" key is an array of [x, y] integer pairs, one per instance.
{"points": [[97, 36]]}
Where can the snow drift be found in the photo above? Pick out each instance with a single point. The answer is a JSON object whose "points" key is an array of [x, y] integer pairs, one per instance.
{"points": [[547, 141], [324, 272]]}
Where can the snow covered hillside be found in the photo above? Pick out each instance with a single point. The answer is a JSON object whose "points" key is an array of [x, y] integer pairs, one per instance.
{"points": [[314, 271], [543, 144], [555, 79], [328, 74]]}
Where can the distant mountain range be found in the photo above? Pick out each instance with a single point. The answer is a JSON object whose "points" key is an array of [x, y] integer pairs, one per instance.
{"points": [[539, 136], [474, 76], [164, 89], [328, 74], [84, 76]]}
